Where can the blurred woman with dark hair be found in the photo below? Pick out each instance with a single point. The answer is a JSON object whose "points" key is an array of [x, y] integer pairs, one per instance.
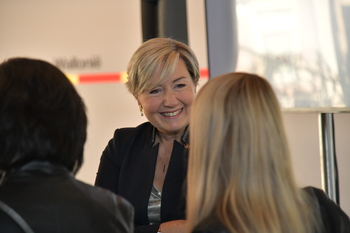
{"points": [[42, 136]]}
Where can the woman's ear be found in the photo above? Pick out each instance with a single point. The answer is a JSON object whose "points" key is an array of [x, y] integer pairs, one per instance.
{"points": [[140, 105], [137, 99], [195, 87]]}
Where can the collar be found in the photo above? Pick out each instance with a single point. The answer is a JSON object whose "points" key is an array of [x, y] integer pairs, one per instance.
{"points": [[184, 137], [43, 165], [36, 167]]}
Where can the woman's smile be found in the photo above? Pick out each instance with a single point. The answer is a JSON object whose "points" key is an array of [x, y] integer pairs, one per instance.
{"points": [[171, 114]]}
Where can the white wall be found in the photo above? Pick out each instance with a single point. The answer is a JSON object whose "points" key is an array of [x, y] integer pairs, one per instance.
{"points": [[112, 30], [303, 134]]}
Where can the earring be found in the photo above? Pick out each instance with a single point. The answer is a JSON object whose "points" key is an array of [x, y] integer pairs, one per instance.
{"points": [[141, 110]]}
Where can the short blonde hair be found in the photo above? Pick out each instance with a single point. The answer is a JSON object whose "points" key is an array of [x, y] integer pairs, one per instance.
{"points": [[155, 61], [239, 164]]}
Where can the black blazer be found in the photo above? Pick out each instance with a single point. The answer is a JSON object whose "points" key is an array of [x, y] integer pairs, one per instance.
{"points": [[334, 220], [127, 168], [50, 199]]}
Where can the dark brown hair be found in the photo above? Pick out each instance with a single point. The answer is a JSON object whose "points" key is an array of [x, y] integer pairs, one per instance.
{"points": [[42, 117]]}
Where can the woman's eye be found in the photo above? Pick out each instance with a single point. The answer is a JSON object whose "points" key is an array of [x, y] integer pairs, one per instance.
{"points": [[155, 91], [180, 85]]}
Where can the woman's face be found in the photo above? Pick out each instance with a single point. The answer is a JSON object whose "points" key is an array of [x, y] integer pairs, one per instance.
{"points": [[167, 106]]}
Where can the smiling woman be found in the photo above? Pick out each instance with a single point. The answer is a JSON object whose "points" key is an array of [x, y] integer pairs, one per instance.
{"points": [[167, 106], [147, 164]]}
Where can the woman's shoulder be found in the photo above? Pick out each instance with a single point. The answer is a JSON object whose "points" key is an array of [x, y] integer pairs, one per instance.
{"points": [[321, 197], [133, 130], [333, 217], [107, 204], [125, 137], [144, 129]]}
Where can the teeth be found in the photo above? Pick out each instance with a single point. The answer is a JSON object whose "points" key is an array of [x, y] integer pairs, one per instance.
{"points": [[171, 114]]}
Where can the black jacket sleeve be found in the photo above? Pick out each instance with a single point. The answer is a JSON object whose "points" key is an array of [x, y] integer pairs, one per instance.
{"points": [[109, 168]]}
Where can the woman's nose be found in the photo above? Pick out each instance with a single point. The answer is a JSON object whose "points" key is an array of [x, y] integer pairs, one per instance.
{"points": [[170, 99]]}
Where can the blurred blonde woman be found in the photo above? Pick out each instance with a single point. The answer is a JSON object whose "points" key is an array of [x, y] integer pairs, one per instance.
{"points": [[240, 177]]}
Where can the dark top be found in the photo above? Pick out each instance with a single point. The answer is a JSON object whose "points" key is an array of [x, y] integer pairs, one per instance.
{"points": [[333, 218], [50, 199], [127, 168]]}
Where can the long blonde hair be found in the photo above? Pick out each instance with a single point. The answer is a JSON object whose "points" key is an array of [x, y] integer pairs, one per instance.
{"points": [[239, 165]]}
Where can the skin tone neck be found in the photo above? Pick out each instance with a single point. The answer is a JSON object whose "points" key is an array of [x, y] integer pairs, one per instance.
{"points": [[163, 137]]}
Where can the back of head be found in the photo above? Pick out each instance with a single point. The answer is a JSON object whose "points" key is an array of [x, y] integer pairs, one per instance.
{"points": [[155, 60], [239, 157], [42, 117]]}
